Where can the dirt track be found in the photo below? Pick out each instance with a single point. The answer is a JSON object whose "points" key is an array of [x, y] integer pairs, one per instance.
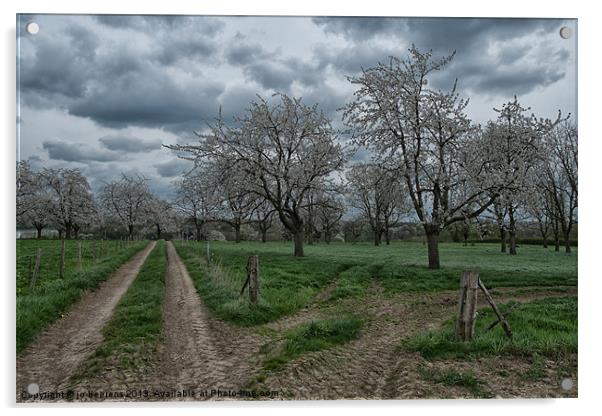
{"points": [[200, 353], [55, 355]]}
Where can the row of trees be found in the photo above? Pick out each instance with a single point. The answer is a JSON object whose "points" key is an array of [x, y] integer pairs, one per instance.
{"points": [[430, 161], [62, 199], [282, 162]]}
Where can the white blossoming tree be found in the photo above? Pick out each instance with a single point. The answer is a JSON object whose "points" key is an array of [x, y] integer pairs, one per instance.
{"points": [[428, 137], [280, 150]]}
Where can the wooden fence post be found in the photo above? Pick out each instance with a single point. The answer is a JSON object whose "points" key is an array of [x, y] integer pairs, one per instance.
{"points": [[253, 277], [29, 270], [62, 260], [467, 305], [36, 268], [79, 254]]}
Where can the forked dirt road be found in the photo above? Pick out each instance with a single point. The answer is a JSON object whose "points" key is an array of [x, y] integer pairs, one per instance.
{"points": [[55, 355], [201, 354]]}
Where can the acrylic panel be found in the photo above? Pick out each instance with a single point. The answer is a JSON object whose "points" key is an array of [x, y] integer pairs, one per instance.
{"points": [[290, 208]]}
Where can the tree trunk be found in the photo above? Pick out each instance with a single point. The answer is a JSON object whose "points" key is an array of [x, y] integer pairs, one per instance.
{"points": [[130, 232], [512, 243], [61, 234], [512, 230], [264, 235], [545, 241], [327, 237], [432, 239], [158, 231], [309, 234], [39, 228], [556, 233], [376, 237], [503, 239], [67, 231], [299, 238], [237, 233], [567, 242], [198, 232], [387, 235]]}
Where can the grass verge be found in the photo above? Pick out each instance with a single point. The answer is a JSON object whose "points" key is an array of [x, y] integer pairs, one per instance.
{"points": [[287, 283], [132, 335], [38, 308], [314, 336], [546, 327]]}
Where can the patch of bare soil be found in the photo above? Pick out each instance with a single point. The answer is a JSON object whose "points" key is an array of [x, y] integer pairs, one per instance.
{"points": [[53, 357], [374, 367]]}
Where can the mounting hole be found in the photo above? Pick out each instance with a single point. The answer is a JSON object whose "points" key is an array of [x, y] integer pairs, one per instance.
{"points": [[566, 384], [566, 32], [33, 388], [32, 28]]}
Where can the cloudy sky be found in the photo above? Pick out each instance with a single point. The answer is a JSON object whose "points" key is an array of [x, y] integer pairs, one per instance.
{"points": [[103, 93]]}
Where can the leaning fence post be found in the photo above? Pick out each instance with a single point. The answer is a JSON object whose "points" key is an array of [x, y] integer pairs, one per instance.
{"points": [[36, 268], [62, 260], [497, 312], [467, 305]]}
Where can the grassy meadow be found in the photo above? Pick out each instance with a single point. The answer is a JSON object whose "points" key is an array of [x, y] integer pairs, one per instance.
{"points": [[289, 284]]}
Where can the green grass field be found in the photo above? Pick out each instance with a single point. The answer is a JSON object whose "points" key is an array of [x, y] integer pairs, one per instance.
{"points": [[289, 283], [52, 296], [93, 252]]}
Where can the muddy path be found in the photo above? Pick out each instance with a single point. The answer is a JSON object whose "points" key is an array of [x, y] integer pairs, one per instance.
{"points": [[200, 353], [374, 366], [53, 357]]}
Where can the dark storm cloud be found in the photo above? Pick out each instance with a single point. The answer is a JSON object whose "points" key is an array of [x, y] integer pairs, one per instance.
{"points": [[173, 168], [118, 83], [129, 144], [433, 33], [478, 68], [352, 59], [208, 25], [271, 75], [358, 28], [241, 52], [56, 65], [71, 152], [149, 99]]}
